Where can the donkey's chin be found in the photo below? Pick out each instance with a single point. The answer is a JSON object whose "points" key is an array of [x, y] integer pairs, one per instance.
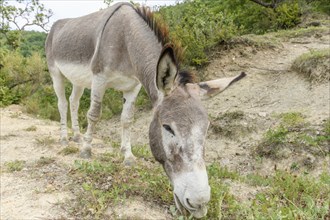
{"points": [[197, 213]]}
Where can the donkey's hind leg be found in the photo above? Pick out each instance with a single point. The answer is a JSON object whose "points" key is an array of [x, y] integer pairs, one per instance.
{"points": [[58, 84], [126, 120], [75, 96]]}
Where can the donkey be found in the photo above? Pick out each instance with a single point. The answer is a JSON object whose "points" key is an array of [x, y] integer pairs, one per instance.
{"points": [[123, 47]]}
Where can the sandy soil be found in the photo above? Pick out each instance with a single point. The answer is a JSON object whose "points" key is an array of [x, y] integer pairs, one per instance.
{"points": [[270, 88]]}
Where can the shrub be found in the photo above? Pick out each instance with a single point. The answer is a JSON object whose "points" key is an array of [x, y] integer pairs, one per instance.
{"points": [[20, 77], [198, 27]]}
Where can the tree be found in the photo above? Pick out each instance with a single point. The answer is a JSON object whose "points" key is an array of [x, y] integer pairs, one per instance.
{"points": [[24, 14], [107, 2], [27, 13]]}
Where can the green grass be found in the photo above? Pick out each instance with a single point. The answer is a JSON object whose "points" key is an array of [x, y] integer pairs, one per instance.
{"points": [[16, 165], [47, 141], [43, 161], [293, 197], [69, 150], [31, 128], [300, 32], [293, 134], [230, 125], [104, 182]]}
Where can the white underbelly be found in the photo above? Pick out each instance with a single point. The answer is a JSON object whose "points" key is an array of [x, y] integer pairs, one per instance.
{"points": [[81, 75], [77, 74]]}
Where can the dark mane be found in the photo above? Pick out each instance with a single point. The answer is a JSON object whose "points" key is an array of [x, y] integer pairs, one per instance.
{"points": [[161, 30], [186, 77]]}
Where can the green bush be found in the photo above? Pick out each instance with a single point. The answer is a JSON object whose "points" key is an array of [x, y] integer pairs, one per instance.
{"points": [[200, 25], [321, 6], [20, 77]]}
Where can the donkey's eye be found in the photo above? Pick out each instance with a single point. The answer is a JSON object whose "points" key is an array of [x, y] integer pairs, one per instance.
{"points": [[168, 128]]}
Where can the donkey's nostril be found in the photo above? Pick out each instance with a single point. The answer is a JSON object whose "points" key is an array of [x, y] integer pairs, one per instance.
{"points": [[190, 206]]}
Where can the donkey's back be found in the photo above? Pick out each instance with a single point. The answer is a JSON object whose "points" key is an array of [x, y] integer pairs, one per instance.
{"points": [[75, 39]]}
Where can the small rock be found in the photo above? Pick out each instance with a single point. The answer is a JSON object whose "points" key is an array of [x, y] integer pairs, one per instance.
{"points": [[262, 114]]}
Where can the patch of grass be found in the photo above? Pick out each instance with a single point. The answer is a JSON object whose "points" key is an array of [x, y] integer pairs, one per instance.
{"points": [[256, 180], [293, 134], [15, 115], [46, 141], [7, 136], [314, 65], [142, 152], [292, 119], [16, 165], [31, 128], [292, 197], [230, 125], [256, 41], [105, 182], [300, 32], [218, 171], [69, 150], [43, 161], [326, 127]]}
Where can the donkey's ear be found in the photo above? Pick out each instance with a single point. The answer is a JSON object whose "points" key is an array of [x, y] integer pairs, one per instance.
{"points": [[166, 70], [213, 87]]}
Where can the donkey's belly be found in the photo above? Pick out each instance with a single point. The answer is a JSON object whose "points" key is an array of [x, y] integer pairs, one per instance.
{"points": [[81, 75], [77, 74]]}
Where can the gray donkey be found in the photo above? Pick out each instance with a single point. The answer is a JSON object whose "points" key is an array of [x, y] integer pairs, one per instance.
{"points": [[124, 47]]}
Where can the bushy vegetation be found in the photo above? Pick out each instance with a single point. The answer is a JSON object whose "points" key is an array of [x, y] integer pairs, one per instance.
{"points": [[200, 25]]}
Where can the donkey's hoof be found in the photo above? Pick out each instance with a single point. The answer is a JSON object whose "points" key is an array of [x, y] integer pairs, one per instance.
{"points": [[130, 161], [86, 153]]}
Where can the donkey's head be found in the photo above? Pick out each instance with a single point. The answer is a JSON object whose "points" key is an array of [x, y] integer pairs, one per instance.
{"points": [[177, 132]]}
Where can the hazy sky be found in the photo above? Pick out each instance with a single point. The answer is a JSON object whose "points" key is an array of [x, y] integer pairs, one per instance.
{"points": [[76, 8]]}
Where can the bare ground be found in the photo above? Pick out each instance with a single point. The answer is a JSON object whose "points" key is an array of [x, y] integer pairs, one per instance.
{"points": [[38, 192]]}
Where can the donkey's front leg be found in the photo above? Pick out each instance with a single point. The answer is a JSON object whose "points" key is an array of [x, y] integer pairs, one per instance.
{"points": [[94, 114], [126, 120]]}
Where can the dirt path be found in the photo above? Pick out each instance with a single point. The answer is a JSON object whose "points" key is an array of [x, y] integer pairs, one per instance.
{"points": [[270, 88]]}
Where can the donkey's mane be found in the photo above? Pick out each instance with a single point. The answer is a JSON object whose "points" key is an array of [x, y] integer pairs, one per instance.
{"points": [[161, 31]]}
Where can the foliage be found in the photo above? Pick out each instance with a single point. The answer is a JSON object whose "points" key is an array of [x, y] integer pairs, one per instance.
{"points": [[32, 41], [321, 6], [23, 14], [20, 77], [200, 25]]}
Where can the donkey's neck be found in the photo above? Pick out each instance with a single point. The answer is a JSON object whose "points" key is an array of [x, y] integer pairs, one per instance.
{"points": [[144, 50]]}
